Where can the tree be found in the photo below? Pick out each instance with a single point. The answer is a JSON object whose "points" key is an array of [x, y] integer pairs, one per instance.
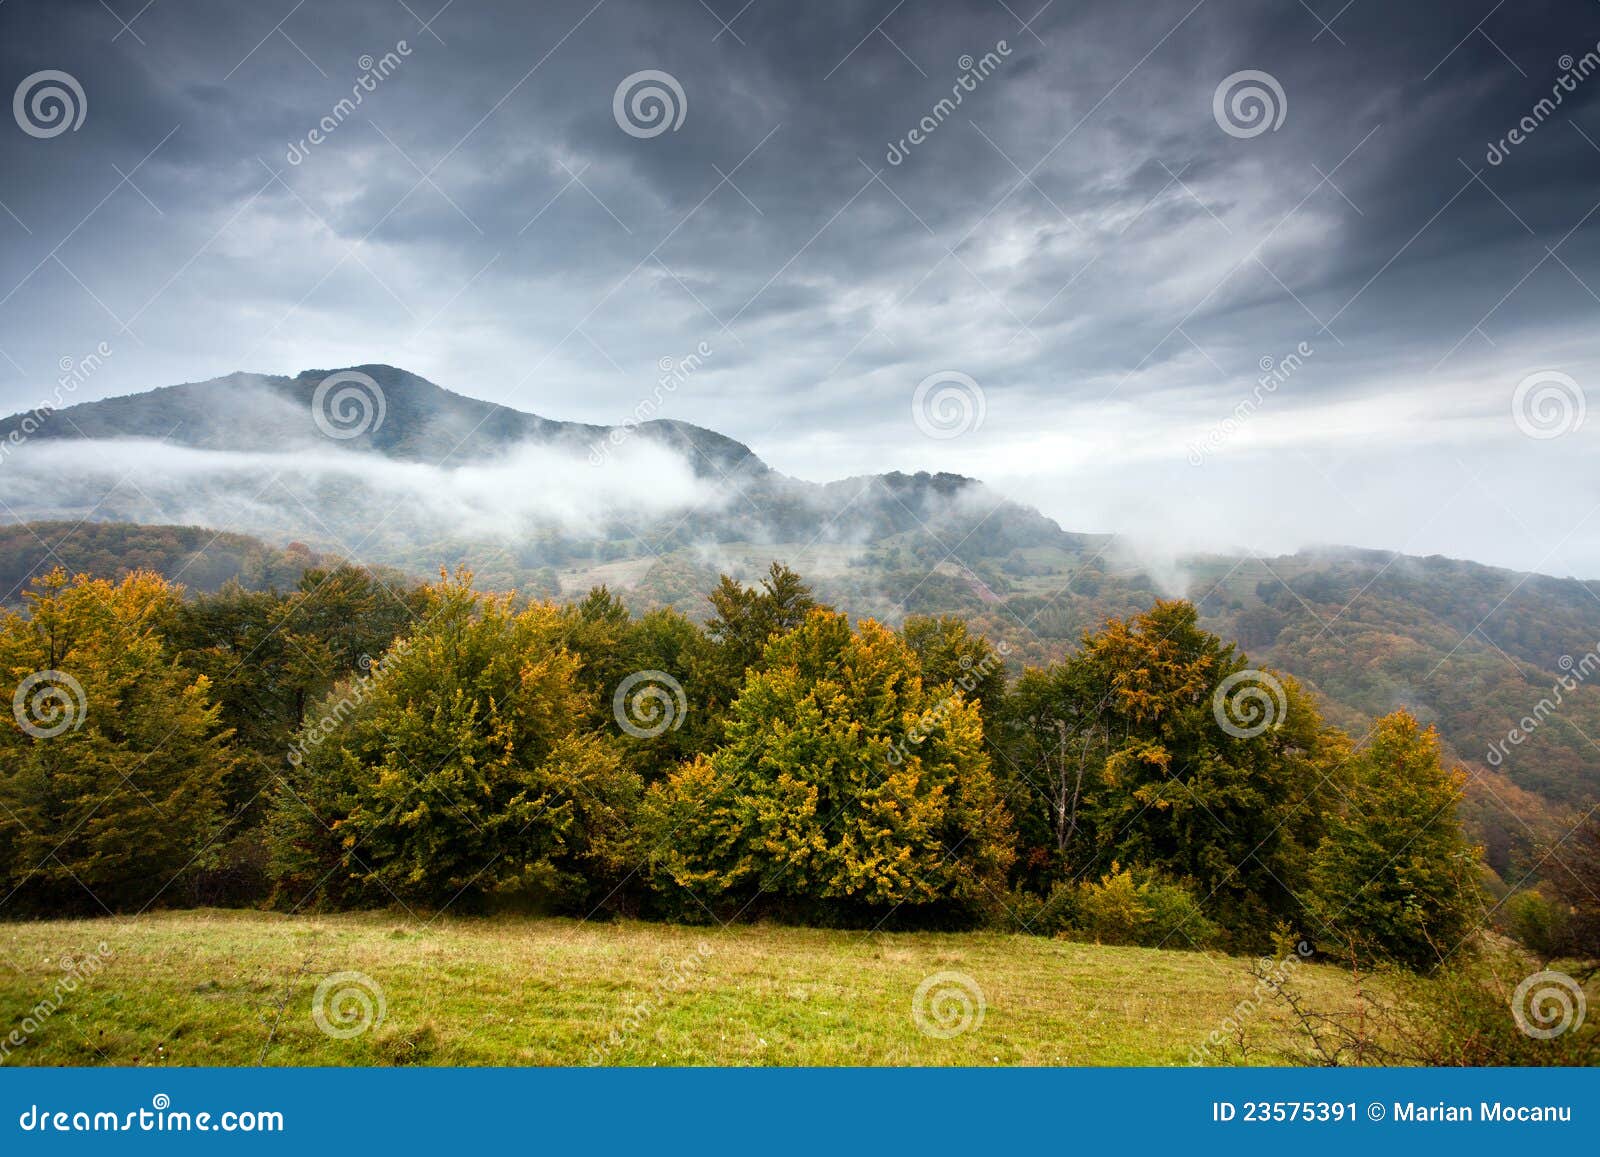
{"points": [[746, 619], [949, 651], [465, 764], [112, 764], [1394, 878], [1121, 755], [846, 790], [1054, 737]]}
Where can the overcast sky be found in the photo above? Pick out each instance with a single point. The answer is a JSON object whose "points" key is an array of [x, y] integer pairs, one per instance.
{"points": [[1099, 239]]}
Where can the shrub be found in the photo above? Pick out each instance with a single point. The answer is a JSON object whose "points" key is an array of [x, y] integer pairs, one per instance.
{"points": [[1540, 924], [1112, 911]]}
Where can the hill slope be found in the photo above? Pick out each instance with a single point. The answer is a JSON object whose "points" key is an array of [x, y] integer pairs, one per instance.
{"points": [[658, 509]]}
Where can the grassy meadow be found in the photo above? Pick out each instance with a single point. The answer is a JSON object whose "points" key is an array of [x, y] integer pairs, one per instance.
{"points": [[242, 988]]}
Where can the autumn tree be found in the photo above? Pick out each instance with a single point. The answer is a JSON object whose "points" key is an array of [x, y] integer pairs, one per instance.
{"points": [[847, 789], [113, 761], [1132, 751]]}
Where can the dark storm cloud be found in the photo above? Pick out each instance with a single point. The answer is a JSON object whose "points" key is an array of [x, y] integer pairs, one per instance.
{"points": [[1080, 235]]}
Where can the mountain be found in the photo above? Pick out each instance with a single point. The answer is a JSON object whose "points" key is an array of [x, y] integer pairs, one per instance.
{"points": [[658, 509]]}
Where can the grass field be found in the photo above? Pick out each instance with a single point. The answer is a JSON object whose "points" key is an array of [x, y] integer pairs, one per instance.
{"points": [[241, 988]]}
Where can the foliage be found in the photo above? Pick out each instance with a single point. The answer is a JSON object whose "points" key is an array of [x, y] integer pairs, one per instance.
{"points": [[845, 788], [1395, 879], [109, 800], [1120, 909], [465, 764]]}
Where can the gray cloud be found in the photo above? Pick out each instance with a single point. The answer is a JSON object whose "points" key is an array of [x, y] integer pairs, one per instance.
{"points": [[1079, 236]]}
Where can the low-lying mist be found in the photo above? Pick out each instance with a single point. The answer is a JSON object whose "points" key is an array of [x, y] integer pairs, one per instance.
{"points": [[345, 497]]}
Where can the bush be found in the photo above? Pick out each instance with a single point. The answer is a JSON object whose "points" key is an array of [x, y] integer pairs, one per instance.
{"points": [[1153, 913], [1112, 911], [1540, 924], [1176, 918]]}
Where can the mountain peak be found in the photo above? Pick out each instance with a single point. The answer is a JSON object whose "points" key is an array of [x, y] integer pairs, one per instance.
{"points": [[373, 408]]}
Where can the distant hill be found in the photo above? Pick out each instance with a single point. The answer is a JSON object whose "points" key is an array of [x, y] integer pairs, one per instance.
{"points": [[199, 558], [658, 509]]}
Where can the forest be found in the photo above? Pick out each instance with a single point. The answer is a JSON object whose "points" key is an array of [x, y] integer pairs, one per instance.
{"points": [[348, 742]]}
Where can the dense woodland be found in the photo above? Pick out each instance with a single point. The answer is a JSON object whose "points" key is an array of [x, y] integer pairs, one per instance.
{"points": [[347, 742]]}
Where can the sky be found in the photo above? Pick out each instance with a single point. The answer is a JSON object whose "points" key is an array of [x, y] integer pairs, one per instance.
{"points": [[1207, 274]]}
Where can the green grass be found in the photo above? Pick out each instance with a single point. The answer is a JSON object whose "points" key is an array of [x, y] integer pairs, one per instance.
{"points": [[238, 988]]}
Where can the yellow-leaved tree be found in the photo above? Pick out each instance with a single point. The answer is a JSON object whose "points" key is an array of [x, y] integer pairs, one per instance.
{"points": [[847, 789], [113, 757]]}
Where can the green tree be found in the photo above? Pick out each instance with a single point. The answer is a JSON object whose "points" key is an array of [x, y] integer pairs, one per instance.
{"points": [[465, 764], [1395, 879], [1127, 752], [745, 619]]}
